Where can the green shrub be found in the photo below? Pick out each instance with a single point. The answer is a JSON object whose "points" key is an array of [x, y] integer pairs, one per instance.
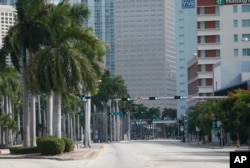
{"points": [[50, 145], [23, 150], [69, 144]]}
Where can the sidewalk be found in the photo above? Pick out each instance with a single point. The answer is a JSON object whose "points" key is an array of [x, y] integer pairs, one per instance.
{"points": [[231, 147], [77, 154]]}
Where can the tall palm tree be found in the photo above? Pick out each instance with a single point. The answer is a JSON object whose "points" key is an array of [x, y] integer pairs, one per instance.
{"points": [[22, 41], [111, 88], [9, 89], [62, 65]]}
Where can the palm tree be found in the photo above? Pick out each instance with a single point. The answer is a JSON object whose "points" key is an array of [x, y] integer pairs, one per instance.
{"points": [[62, 65], [9, 89], [22, 41], [111, 88]]}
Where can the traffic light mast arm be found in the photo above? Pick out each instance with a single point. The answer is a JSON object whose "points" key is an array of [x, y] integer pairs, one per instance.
{"points": [[173, 97]]}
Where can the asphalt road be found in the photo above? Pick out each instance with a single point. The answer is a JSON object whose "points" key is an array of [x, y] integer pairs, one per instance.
{"points": [[138, 154]]}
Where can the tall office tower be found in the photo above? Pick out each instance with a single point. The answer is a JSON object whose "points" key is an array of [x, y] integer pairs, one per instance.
{"points": [[7, 2], [145, 54], [185, 47], [102, 21], [7, 20]]}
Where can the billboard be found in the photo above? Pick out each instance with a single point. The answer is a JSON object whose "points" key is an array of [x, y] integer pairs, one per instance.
{"points": [[188, 4]]}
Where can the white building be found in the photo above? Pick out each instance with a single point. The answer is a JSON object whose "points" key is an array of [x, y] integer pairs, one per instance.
{"points": [[234, 65], [7, 20], [145, 54]]}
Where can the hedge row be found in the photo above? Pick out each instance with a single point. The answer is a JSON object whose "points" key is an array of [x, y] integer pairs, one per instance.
{"points": [[23, 150], [49, 145]]}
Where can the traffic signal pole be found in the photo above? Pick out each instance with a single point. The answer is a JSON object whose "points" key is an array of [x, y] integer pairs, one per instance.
{"points": [[172, 97]]}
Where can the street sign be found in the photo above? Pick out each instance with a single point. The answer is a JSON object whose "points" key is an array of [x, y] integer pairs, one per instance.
{"points": [[117, 113]]}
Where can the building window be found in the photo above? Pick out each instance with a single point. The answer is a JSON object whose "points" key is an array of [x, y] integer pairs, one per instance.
{"points": [[203, 68], [217, 53], [235, 37], [202, 38], [245, 37], [236, 52], [245, 8], [202, 53], [217, 10], [235, 9], [246, 23], [235, 23], [217, 24], [246, 51], [217, 39], [203, 82], [202, 10], [202, 25]]}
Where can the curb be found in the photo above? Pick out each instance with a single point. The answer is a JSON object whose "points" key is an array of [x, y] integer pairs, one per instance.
{"points": [[85, 153]]}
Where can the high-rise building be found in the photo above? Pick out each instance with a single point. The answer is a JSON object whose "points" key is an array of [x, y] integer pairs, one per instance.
{"points": [[145, 54], [185, 47], [234, 44], [7, 20], [7, 2], [102, 21], [223, 50]]}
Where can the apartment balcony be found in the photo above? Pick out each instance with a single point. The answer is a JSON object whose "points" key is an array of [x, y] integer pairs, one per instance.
{"points": [[208, 60], [205, 89], [207, 17], [208, 46], [205, 75], [208, 31]]}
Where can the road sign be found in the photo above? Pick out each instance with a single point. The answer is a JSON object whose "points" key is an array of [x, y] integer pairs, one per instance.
{"points": [[117, 113]]}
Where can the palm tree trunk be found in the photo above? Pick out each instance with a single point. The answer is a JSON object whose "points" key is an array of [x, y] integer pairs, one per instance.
{"points": [[64, 125], [44, 122], [68, 125], [74, 126], [26, 113], [33, 120], [39, 116], [19, 138], [11, 116], [49, 114], [87, 123], [71, 127], [57, 114], [78, 128]]}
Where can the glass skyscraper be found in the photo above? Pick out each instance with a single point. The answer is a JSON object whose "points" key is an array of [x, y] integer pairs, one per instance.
{"points": [[102, 21], [186, 35]]}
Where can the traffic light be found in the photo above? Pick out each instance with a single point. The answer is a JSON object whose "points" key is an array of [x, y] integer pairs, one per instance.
{"points": [[153, 98], [125, 99], [214, 123], [178, 97], [84, 98]]}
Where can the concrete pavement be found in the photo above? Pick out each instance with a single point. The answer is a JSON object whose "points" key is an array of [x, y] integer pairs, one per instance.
{"points": [[77, 154]]}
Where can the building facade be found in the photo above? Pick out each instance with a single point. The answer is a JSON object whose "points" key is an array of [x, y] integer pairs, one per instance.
{"points": [[223, 48], [102, 21], [185, 47], [208, 44], [7, 2], [7, 20], [145, 55]]}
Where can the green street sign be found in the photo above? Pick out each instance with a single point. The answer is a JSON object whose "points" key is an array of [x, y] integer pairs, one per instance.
{"points": [[220, 2], [117, 113]]}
